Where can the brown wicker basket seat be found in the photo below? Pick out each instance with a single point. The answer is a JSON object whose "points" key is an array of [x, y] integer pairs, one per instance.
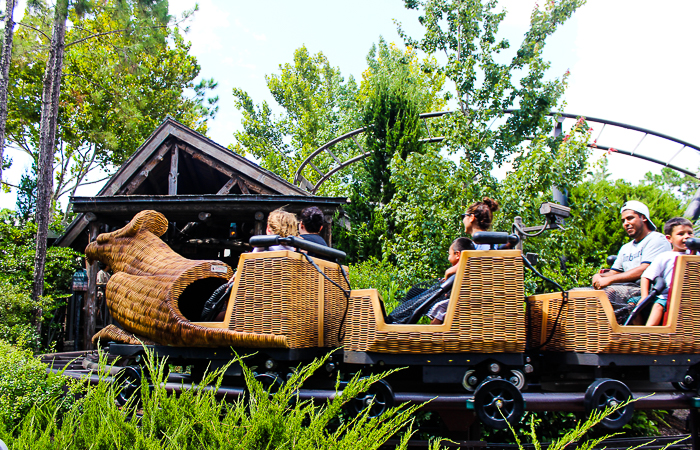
{"points": [[281, 293], [486, 313], [588, 324], [152, 285]]}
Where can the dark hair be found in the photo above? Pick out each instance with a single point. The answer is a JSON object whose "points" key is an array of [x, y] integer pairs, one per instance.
{"points": [[462, 243], [675, 222], [483, 212], [312, 218]]}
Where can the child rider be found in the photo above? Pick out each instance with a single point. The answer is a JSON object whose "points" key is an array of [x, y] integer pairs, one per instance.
{"points": [[677, 230], [438, 311]]}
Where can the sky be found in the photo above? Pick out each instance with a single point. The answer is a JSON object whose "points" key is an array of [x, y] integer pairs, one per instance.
{"points": [[629, 61]]}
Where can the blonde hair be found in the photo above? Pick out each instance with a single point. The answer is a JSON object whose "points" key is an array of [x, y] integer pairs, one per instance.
{"points": [[283, 223]]}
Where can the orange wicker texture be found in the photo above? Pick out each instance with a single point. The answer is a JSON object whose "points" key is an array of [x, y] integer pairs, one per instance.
{"points": [[587, 324], [281, 293], [486, 313], [148, 280], [110, 333]]}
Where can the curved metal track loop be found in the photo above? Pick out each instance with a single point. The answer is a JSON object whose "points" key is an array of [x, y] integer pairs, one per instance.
{"points": [[681, 145]]}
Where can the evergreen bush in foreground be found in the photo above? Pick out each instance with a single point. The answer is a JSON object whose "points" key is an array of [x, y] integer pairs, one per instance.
{"points": [[197, 419]]}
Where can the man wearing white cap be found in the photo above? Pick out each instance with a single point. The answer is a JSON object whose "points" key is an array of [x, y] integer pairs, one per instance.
{"points": [[635, 256]]}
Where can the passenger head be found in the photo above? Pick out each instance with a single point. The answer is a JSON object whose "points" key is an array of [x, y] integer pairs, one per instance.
{"points": [[311, 219], [282, 223], [479, 216], [635, 219], [458, 245], [677, 230]]}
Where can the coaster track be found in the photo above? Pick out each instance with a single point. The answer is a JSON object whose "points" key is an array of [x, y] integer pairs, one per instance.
{"points": [[615, 140]]}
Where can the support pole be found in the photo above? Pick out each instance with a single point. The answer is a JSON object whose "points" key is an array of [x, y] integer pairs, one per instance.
{"points": [[90, 298], [259, 223]]}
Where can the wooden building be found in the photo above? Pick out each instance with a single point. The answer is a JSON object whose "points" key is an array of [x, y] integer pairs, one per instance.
{"points": [[214, 200]]}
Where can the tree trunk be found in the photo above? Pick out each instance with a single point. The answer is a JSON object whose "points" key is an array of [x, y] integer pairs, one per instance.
{"points": [[47, 144], [5, 73]]}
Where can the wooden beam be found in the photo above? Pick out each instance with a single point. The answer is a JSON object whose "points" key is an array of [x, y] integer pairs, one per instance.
{"points": [[89, 309], [246, 186], [172, 176], [146, 170], [246, 168], [226, 188], [127, 171]]}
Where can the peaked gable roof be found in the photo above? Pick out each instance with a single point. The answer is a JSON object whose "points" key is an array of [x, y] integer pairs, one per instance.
{"points": [[160, 147], [176, 160]]}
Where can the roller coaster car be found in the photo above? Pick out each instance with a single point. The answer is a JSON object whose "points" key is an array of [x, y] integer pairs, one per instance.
{"points": [[588, 336], [278, 300]]}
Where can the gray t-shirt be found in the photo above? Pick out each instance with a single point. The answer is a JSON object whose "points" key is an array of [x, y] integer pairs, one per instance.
{"points": [[633, 254]]}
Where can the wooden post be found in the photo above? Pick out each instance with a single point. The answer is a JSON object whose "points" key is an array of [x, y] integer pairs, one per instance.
{"points": [[90, 298], [326, 231], [259, 223], [172, 177]]}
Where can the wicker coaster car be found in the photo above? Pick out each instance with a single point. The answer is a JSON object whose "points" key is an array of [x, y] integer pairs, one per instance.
{"points": [[278, 299], [158, 295]]}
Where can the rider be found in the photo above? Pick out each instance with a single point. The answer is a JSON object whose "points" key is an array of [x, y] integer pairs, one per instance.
{"points": [[478, 217], [635, 256], [311, 222], [437, 312], [677, 231]]}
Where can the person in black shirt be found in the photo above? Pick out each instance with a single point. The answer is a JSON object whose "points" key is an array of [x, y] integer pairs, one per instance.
{"points": [[311, 223]]}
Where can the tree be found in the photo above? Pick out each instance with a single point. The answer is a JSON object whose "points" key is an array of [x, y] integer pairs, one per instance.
{"points": [[47, 138], [142, 26], [318, 105], [114, 94], [465, 33], [5, 72]]}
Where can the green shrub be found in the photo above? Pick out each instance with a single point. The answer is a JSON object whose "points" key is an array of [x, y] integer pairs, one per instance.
{"points": [[196, 419], [24, 384], [17, 249], [380, 275]]}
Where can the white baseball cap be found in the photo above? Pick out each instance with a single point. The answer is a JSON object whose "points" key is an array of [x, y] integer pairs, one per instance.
{"points": [[640, 208]]}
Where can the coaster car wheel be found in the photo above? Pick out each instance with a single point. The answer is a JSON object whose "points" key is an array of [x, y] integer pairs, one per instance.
{"points": [[379, 398], [689, 383], [517, 377], [498, 402], [128, 381], [270, 381], [607, 393]]}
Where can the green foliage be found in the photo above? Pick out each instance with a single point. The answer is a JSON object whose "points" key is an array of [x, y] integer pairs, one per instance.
{"points": [[467, 34], [196, 419], [126, 69], [380, 275], [17, 247], [571, 433], [318, 105], [25, 384]]}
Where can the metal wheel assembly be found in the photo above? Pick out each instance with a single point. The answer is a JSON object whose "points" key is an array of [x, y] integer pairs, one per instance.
{"points": [[378, 398], [606, 393], [128, 381], [498, 402]]}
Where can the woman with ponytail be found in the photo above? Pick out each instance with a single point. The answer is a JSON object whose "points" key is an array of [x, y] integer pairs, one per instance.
{"points": [[478, 217]]}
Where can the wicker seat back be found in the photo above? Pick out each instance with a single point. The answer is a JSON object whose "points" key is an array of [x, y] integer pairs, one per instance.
{"points": [[588, 323], [485, 315], [150, 280], [281, 293]]}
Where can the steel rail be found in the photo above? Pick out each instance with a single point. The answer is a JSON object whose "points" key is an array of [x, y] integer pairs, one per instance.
{"points": [[298, 177]]}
